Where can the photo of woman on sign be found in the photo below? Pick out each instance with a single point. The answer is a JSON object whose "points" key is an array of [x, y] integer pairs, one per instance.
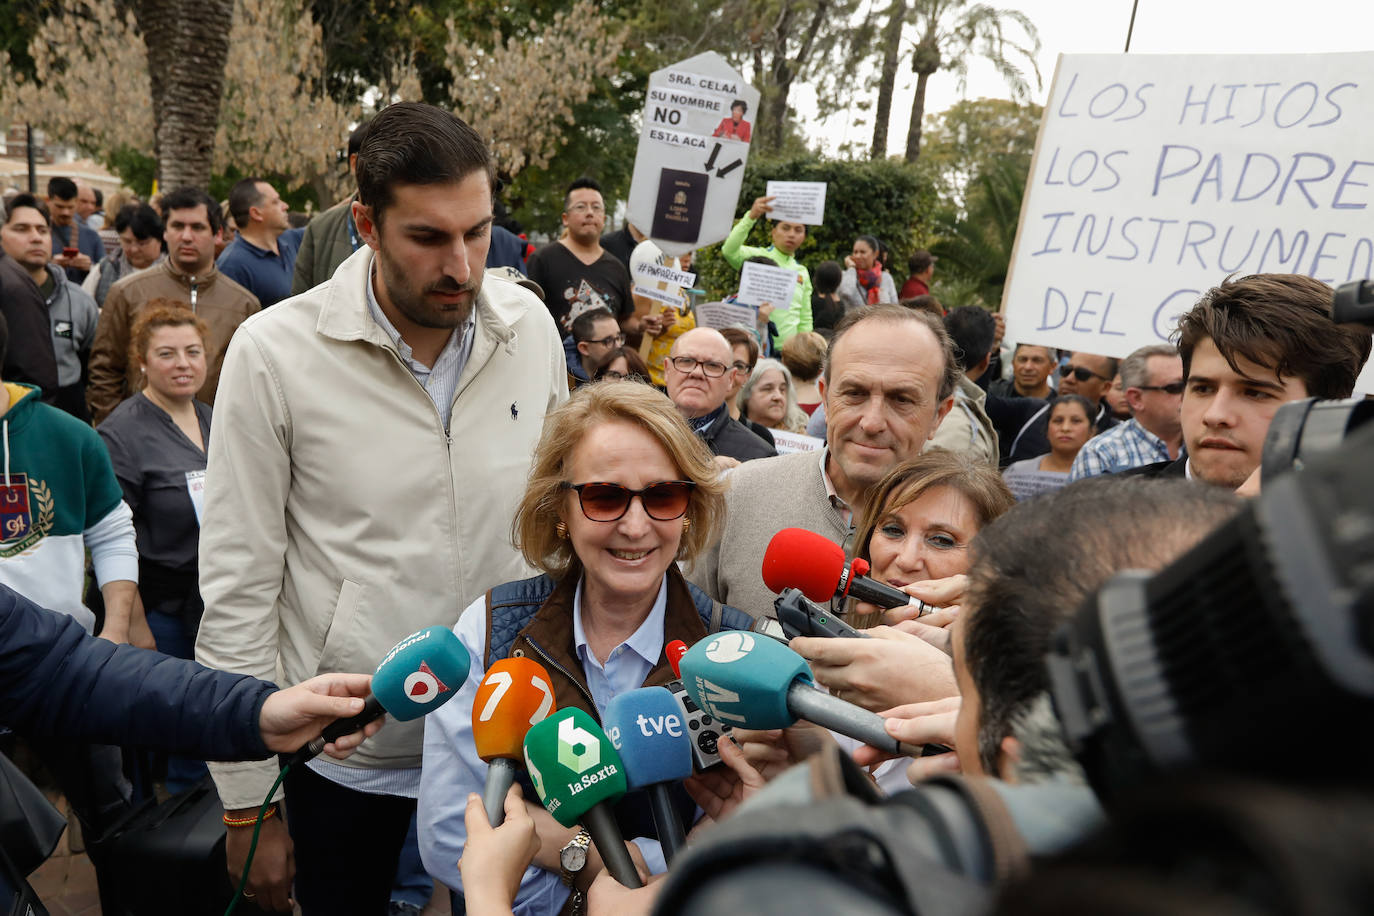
{"points": [[734, 127]]}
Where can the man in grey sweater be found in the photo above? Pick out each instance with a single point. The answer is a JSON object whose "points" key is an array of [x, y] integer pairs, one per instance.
{"points": [[889, 380]]}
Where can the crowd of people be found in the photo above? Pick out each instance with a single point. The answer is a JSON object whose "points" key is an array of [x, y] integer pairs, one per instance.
{"points": [[417, 422]]}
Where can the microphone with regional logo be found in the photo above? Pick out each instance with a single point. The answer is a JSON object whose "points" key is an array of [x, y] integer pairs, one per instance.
{"points": [[421, 673], [755, 682], [515, 694], [578, 775], [647, 728], [801, 559]]}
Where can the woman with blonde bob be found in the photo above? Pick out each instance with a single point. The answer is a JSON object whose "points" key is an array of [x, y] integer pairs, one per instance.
{"points": [[619, 491]]}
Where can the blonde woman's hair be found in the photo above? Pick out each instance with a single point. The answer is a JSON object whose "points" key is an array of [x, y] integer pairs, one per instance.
{"points": [[534, 526]]}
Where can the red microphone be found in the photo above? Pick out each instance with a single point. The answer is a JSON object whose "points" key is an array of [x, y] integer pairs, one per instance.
{"points": [[675, 650], [801, 559]]}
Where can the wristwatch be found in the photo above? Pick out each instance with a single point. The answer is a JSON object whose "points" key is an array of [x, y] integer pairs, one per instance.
{"points": [[572, 859]]}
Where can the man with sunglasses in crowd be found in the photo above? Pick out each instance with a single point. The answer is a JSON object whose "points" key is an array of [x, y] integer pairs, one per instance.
{"points": [[1085, 374], [699, 374], [1153, 381]]}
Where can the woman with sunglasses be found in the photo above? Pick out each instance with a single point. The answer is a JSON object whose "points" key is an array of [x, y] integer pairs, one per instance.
{"points": [[619, 491], [1070, 428]]}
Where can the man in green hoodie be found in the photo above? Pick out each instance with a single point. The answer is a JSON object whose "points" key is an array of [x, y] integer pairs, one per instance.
{"points": [[787, 238]]}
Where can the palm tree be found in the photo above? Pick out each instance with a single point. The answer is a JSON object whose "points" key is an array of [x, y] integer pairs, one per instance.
{"points": [[975, 247], [949, 33]]}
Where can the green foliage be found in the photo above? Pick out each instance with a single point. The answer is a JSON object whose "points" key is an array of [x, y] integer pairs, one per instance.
{"points": [[972, 137], [19, 22], [975, 248], [885, 198], [135, 169]]}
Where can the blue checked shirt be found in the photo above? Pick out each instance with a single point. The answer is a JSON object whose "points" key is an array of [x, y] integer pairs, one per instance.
{"points": [[1127, 445]]}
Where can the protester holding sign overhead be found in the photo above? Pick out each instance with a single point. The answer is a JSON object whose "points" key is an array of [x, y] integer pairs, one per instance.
{"points": [[787, 238]]}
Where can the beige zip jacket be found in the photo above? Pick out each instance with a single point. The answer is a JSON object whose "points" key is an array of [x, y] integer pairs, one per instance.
{"points": [[339, 517]]}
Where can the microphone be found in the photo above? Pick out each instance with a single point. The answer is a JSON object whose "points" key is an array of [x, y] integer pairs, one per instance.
{"points": [[801, 559], [674, 651], [418, 675], [760, 683], [515, 694], [646, 727], [578, 775]]}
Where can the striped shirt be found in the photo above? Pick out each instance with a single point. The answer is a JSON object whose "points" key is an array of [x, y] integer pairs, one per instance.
{"points": [[1128, 445]]}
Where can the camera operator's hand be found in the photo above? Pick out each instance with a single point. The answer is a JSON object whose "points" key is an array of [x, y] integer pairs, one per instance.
{"points": [[718, 792], [495, 858], [879, 673], [919, 723]]}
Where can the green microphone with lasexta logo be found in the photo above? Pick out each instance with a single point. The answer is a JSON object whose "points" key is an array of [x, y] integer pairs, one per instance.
{"points": [[578, 776]]}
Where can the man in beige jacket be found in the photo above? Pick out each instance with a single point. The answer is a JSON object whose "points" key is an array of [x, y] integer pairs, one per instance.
{"points": [[373, 437], [186, 275]]}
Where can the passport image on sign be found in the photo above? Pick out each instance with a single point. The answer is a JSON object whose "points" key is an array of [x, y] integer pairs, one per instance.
{"points": [[680, 206]]}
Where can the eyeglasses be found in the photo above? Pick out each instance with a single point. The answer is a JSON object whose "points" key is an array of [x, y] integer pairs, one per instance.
{"points": [[615, 376], [608, 502], [710, 368], [1171, 388], [614, 340], [1081, 373], [741, 366], [583, 207]]}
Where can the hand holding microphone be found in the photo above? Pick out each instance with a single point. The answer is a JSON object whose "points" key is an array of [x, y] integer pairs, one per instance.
{"points": [[578, 776], [755, 682], [515, 694], [418, 675], [801, 559], [647, 728]]}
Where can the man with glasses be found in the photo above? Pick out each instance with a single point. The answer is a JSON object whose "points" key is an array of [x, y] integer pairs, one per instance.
{"points": [[699, 374], [1153, 381], [575, 272], [1085, 374], [593, 342]]}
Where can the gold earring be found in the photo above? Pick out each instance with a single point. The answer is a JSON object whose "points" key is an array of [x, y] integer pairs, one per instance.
{"points": [[686, 525], [562, 530]]}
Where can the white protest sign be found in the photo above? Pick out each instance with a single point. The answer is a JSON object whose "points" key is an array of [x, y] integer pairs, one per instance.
{"points": [[668, 296], [726, 315], [786, 443], [650, 272], [692, 151], [1156, 176], [760, 283], [797, 201]]}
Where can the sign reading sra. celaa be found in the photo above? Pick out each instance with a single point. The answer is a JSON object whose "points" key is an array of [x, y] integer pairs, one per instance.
{"points": [[1157, 176]]}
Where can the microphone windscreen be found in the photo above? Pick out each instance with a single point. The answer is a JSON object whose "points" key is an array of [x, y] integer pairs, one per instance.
{"points": [[801, 559], [646, 727], [674, 652], [742, 679], [572, 765], [515, 694], [421, 673]]}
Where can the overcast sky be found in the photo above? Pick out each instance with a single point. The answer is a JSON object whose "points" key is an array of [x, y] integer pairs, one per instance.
{"points": [[1099, 26]]}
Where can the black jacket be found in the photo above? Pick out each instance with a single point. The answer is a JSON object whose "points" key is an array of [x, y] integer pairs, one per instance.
{"points": [[30, 358], [55, 681], [731, 438]]}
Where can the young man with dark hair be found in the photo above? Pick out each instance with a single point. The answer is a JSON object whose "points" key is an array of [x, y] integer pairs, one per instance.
{"points": [[594, 339], [263, 258], [69, 233], [71, 311], [187, 274], [575, 272], [139, 230], [1249, 346], [379, 432], [787, 238]]}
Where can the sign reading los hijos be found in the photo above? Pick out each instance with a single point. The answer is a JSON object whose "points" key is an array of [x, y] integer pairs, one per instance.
{"points": [[698, 121], [1155, 177]]}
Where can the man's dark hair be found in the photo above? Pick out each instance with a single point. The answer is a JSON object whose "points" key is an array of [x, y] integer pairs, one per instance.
{"points": [[4, 339], [99, 198], [919, 261], [925, 303], [973, 330], [584, 325], [243, 197], [1282, 321], [1018, 591], [417, 144], [189, 199], [27, 200], [61, 188], [140, 219], [896, 314], [827, 276], [355, 139], [582, 183]]}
